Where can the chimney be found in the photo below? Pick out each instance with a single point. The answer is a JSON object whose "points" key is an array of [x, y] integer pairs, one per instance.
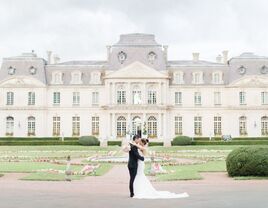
{"points": [[108, 52], [219, 59], [165, 52], [195, 56], [225, 56], [49, 57], [56, 59]]}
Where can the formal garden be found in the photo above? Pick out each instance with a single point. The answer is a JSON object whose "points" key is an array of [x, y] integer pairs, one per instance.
{"points": [[184, 160]]}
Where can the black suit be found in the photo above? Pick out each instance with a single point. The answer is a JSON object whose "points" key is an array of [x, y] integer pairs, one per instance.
{"points": [[133, 166]]}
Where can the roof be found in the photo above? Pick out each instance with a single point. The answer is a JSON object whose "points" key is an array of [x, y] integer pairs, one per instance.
{"points": [[193, 63], [137, 39], [83, 63]]}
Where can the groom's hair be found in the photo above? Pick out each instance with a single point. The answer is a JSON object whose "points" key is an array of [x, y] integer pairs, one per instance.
{"points": [[135, 137]]}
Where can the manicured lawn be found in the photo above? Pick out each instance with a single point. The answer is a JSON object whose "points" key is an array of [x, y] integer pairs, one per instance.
{"points": [[190, 172]]}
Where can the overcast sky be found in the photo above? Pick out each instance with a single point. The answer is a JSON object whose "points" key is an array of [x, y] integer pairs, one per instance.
{"points": [[81, 29]]}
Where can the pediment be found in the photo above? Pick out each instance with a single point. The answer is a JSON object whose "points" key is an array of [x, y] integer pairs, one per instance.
{"points": [[21, 81], [136, 70], [251, 81]]}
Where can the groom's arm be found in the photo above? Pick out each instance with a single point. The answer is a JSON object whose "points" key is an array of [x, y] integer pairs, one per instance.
{"points": [[136, 153]]}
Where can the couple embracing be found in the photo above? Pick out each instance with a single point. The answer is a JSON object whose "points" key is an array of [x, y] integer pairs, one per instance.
{"points": [[139, 185]]}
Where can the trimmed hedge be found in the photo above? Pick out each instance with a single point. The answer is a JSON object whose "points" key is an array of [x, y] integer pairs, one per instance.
{"points": [[152, 144], [89, 141], [181, 140], [114, 143], [248, 161]]}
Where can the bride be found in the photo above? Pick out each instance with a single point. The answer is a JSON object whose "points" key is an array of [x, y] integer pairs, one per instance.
{"points": [[143, 188]]}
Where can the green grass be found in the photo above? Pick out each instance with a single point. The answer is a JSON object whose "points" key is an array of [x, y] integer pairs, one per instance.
{"points": [[103, 169], [1, 175], [190, 172]]}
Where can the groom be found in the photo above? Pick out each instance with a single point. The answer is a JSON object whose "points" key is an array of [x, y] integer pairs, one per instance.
{"points": [[133, 163]]}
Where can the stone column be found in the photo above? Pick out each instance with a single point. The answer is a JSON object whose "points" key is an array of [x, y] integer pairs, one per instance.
{"points": [[144, 94], [167, 142], [113, 126]]}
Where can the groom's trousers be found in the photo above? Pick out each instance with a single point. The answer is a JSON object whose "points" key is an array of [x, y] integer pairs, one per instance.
{"points": [[132, 173]]}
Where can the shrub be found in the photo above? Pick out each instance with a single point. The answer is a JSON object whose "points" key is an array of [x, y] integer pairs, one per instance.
{"points": [[89, 141], [248, 161], [114, 143], [151, 144], [181, 140], [233, 142]]}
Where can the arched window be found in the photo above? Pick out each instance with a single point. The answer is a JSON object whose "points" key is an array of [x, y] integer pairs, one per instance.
{"points": [[76, 126], [31, 126], [9, 126], [121, 95], [136, 95], [264, 126], [198, 126], [136, 125], [121, 126], [152, 127], [243, 126]]}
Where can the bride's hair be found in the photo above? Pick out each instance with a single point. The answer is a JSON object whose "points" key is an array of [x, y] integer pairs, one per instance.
{"points": [[145, 141]]}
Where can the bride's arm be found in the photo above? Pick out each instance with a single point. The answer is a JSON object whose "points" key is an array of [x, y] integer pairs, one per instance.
{"points": [[139, 146]]}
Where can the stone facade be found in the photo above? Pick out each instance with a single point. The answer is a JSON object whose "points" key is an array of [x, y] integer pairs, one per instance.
{"points": [[136, 90]]}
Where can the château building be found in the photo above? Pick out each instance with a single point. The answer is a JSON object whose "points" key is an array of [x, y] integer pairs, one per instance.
{"points": [[136, 90]]}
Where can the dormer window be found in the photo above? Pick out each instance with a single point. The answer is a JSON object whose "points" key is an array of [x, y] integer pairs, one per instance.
{"points": [[76, 77], [11, 70], [178, 78], [32, 70], [95, 78], [242, 70], [217, 78], [57, 78], [198, 78]]}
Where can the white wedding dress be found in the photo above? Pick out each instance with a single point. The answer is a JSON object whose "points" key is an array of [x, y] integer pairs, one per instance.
{"points": [[143, 188]]}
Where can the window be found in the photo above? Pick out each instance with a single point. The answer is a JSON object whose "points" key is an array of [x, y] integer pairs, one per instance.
{"points": [[152, 127], [121, 126], [178, 78], [217, 77], [197, 98], [217, 98], [178, 125], [31, 98], [264, 126], [178, 98], [95, 125], [198, 126], [56, 98], [242, 98], [57, 78], [95, 78], [151, 97], [76, 126], [10, 98], [136, 95], [9, 126], [243, 126], [197, 78], [264, 98], [217, 126], [76, 78], [76, 98], [136, 125], [95, 98], [31, 126], [121, 95], [56, 126]]}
